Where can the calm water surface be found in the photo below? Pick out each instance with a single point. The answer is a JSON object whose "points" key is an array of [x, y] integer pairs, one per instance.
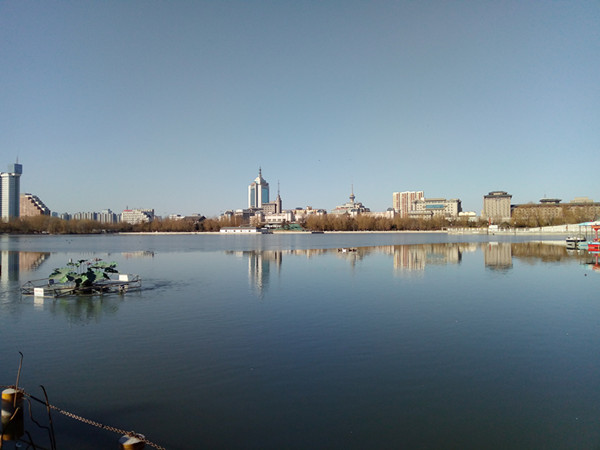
{"points": [[411, 341]]}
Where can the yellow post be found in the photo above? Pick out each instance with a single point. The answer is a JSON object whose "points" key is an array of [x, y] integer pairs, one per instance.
{"points": [[12, 414], [131, 442]]}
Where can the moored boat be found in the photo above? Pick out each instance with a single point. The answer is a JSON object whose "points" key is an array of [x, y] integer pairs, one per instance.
{"points": [[573, 242]]}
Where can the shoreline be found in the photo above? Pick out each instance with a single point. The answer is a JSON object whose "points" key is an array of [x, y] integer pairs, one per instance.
{"points": [[514, 232]]}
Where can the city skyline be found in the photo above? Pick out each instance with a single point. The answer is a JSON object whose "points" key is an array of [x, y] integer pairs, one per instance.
{"points": [[175, 106], [404, 203]]}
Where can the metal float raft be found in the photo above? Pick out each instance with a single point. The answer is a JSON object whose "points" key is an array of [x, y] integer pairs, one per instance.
{"points": [[47, 287]]}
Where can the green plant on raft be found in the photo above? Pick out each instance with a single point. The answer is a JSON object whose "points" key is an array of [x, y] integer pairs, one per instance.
{"points": [[85, 272]]}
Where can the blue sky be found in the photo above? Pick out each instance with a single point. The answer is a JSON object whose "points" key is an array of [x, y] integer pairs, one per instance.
{"points": [[175, 105]]}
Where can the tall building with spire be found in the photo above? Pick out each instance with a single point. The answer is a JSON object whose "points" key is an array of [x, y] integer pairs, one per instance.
{"points": [[258, 192], [10, 191]]}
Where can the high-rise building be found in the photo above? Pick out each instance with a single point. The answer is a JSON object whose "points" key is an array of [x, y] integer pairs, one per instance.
{"points": [[258, 192], [496, 206], [10, 191], [404, 202]]}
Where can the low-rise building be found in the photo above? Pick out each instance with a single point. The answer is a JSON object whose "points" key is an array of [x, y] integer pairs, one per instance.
{"points": [[135, 216], [243, 230], [302, 214], [278, 218], [31, 205], [352, 207], [549, 210], [436, 207]]}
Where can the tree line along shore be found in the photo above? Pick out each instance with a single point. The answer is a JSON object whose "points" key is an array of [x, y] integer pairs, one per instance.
{"points": [[331, 222]]}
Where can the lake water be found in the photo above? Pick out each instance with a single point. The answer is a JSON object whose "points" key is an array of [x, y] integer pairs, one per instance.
{"points": [[283, 341]]}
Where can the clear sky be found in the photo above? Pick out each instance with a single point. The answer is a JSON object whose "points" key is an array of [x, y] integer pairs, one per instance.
{"points": [[174, 105]]}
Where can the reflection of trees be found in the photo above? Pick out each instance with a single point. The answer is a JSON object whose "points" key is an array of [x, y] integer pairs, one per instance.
{"points": [[415, 257], [547, 252]]}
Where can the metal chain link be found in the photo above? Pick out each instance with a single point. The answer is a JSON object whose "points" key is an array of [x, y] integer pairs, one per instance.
{"points": [[88, 421]]}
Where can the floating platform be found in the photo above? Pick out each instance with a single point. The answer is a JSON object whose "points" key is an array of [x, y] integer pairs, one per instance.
{"points": [[48, 288]]}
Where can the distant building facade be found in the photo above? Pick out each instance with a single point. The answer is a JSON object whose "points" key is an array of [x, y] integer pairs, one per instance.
{"points": [[403, 202], [274, 207], [135, 216], [352, 207], [436, 207], [10, 192], [548, 210], [88, 215], [496, 206], [30, 206], [302, 214], [258, 192], [107, 216]]}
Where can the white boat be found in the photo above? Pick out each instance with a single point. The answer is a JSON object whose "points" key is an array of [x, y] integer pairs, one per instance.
{"points": [[574, 242]]}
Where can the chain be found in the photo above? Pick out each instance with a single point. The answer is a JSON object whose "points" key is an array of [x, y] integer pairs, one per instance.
{"points": [[88, 421]]}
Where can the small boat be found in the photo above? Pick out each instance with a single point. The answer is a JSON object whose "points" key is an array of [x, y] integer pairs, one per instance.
{"points": [[573, 242], [347, 249]]}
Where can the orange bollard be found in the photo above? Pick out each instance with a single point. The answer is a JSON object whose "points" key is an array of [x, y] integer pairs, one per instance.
{"points": [[12, 414], [131, 442]]}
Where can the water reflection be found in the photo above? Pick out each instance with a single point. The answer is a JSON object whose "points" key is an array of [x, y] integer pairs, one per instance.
{"points": [[138, 254], [80, 310], [12, 263], [259, 267], [414, 259], [498, 256]]}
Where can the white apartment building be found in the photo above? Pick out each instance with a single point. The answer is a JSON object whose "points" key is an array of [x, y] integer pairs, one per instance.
{"points": [[10, 192], [135, 216]]}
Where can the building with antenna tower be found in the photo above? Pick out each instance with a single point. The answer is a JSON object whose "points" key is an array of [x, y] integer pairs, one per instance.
{"points": [[352, 207]]}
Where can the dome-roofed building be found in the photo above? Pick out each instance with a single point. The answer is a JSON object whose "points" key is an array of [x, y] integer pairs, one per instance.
{"points": [[352, 207]]}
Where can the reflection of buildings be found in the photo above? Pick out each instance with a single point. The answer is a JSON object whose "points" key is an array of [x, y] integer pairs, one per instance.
{"points": [[497, 256], [138, 254], [9, 266], [409, 258], [12, 263], [259, 267]]}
